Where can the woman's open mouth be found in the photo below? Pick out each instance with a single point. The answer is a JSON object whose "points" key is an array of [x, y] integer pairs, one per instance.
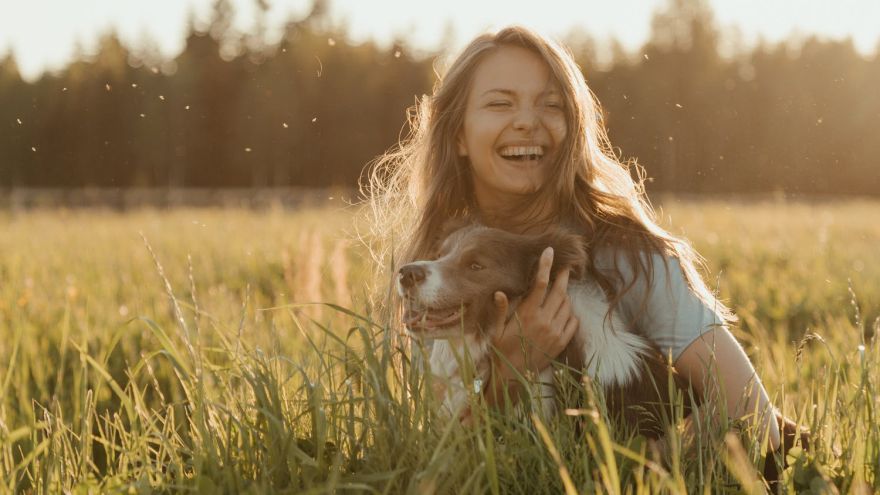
{"points": [[522, 154], [431, 318]]}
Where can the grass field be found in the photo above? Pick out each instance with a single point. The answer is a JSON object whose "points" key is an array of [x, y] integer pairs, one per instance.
{"points": [[176, 351]]}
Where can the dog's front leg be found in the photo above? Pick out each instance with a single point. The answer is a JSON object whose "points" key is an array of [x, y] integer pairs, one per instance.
{"points": [[546, 390], [450, 387]]}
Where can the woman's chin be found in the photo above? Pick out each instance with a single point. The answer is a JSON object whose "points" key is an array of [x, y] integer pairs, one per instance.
{"points": [[525, 186]]}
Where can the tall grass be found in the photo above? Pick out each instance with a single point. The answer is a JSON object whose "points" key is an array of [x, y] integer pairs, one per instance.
{"points": [[199, 363]]}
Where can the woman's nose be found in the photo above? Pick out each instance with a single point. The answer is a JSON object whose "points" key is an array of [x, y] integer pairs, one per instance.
{"points": [[526, 118]]}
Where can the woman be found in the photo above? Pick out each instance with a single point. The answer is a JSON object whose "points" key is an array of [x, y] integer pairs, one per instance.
{"points": [[513, 138]]}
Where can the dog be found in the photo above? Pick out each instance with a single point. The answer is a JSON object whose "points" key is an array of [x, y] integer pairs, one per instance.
{"points": [[451, 299]]}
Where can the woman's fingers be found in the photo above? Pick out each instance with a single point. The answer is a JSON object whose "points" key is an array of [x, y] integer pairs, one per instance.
{"points": [[564, 325], [562, 312], [542, 279], [571, 327], [501, 308], [558, 293]]}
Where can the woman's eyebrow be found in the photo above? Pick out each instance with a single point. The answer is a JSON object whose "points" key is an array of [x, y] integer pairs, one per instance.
{"points": [[499, 90], [510, 92]]}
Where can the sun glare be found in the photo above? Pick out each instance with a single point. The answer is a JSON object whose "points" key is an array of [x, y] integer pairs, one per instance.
{"points": [[40, 41]]}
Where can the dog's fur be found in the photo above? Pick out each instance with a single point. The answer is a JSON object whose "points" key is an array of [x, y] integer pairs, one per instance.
{"points": [[451, 299]]}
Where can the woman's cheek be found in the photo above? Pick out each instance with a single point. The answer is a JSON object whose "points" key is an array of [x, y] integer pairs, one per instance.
{"points": [[556, 125]]}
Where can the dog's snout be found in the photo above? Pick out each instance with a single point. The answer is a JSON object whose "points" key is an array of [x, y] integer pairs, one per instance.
{"points": [[411, 275]]}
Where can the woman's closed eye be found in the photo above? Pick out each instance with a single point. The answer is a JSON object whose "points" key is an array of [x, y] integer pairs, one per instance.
{"points": [[499, 104]]}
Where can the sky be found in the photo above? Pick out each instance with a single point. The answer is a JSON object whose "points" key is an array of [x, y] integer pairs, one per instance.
{"points": [[45, 34]]}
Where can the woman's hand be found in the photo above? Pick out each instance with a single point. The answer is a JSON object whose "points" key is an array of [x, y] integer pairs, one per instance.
{"points": [[541, 327], [715, 363]]}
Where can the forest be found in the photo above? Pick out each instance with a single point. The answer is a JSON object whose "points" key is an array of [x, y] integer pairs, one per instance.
{"points": [[699, 113]]}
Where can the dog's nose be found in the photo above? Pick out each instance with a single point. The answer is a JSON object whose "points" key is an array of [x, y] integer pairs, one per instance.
{"points": [[411, 275]]}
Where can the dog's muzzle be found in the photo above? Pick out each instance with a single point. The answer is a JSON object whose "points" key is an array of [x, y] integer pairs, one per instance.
{"points": [[411, 275]]}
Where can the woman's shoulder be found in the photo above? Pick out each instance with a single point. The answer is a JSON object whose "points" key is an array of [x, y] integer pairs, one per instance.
{"points": [[645, 268], [657, 299], [649, 281]]}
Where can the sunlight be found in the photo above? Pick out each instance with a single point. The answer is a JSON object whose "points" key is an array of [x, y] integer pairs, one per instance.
{"points": [[42, 42]]}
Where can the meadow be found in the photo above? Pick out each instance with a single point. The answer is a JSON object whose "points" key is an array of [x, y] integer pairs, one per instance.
{"points": [[238, 351]]}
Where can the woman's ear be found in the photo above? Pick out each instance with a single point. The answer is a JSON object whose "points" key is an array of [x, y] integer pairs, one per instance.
{"points": [[459, 142]]}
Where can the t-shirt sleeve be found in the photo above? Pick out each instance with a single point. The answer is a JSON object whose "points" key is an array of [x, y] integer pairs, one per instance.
{"points": [[665, 309]]}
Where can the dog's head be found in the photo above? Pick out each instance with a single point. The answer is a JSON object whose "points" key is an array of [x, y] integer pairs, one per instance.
{"points": [[454, 292]]}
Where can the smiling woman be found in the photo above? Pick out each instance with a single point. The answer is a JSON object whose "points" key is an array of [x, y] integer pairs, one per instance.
{"points": [[513, 138]]}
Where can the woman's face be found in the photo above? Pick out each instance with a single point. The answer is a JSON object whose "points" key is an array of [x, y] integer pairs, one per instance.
{"points": [[514, 124]]}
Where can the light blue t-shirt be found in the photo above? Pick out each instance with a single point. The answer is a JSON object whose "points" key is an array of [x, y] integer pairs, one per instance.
{"points": [[672, 316]]}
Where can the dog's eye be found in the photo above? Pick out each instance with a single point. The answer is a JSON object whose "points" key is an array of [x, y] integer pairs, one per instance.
{"points": [[476, 266]]}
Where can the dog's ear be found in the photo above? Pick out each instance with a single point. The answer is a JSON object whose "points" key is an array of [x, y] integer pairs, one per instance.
{"points": [[453, 224], [568, 251], [447, 228]]}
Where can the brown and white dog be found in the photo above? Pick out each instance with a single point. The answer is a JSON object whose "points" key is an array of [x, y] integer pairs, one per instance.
{"points": [[451, 299]]}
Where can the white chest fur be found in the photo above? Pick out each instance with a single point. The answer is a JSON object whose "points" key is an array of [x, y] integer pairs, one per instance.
{"points": [[447, 358]]}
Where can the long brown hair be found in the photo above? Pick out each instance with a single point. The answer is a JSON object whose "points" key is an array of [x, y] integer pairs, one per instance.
{"points": [[421, 184]]}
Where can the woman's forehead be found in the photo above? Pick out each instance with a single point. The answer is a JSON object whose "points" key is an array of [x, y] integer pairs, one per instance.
{"points": [[512, 70]]}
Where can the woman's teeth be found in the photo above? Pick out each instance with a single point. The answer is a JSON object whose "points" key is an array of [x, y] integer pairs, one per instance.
{"points": [[522, 152]]}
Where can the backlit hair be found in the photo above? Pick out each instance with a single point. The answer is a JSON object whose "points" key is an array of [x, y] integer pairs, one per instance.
{"points": [[421, 184]]}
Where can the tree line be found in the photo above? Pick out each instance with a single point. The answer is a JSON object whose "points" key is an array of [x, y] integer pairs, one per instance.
{"points": [[313, 109]]}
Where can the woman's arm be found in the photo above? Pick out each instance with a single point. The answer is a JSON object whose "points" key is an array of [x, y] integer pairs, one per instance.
{"points": [[541, 327], [667, 310], [717, 358]]}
